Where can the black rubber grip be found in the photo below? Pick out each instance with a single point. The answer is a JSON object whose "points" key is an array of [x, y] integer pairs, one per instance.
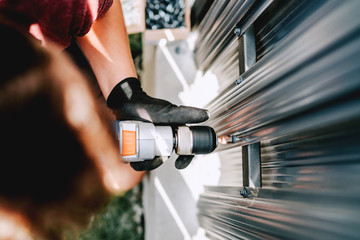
{"points": [[204, 139]]}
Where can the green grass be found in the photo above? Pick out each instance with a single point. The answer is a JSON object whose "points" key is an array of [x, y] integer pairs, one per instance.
{"points": [[121, 219]]}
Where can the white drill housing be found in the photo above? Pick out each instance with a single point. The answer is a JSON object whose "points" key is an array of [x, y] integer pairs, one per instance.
{"points": [[139, 141]]}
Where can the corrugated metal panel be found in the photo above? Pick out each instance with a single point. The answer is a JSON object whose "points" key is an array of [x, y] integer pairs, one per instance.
{"points": [[198, 11], [301, 100], [301, 74], [216, 30], [281, 18], [226, 66], [230, 167], [279, 214], [325, 159]]}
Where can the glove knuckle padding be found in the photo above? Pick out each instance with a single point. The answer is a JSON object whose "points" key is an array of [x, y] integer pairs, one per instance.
{"points": [[130, 102]]}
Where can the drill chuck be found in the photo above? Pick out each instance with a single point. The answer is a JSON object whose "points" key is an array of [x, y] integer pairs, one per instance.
{"points": [[139, 141], [195, 140]]}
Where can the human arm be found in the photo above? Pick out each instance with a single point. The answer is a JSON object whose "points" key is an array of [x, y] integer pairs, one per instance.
{"points": [[108, 51], [107, 48]]}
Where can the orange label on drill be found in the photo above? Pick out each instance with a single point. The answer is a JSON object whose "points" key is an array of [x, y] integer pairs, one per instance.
{"points": [[129, 143]]}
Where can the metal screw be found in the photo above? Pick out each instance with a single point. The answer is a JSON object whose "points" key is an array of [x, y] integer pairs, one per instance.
{"points": [[244, 192], [239, 80], [236, 139], [237, 31]]}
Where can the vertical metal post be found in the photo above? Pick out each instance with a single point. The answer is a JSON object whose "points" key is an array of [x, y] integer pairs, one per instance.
{"points": [[251, 165], [247, 49], [251, 159]]}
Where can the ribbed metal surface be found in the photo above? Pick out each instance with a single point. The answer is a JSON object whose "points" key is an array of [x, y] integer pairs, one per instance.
{"points": [[230, 167], [280, 214], [299, 78], [301, 100], [216, 31], [281, 18], [226, 66], [325, 159], [213, 30], [198, 11]]}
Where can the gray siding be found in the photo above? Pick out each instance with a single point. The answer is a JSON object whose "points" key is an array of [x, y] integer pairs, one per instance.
{"points": [[301, 101]]}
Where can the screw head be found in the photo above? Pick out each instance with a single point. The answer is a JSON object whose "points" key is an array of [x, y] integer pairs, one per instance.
{"points": [[237, 31], [244, 192]]}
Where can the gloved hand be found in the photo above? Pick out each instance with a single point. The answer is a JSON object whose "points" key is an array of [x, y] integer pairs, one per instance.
{"points": [[129, 102]]}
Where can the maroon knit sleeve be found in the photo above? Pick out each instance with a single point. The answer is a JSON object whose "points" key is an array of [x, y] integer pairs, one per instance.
{"points": [[60, 20], [104, 6]]}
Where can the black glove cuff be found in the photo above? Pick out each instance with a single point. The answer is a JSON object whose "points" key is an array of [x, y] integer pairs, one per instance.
{"points": [[123, 92]]}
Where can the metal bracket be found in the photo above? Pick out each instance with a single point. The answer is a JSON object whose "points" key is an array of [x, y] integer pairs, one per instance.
{"points": [[247, 50], [251, 165], [251, 153]]}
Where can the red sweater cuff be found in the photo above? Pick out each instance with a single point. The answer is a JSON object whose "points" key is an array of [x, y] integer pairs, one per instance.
{"points": [[60, 20]]}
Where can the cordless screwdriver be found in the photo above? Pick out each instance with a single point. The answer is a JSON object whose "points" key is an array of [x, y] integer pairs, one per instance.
{"points": [[139, 141]]}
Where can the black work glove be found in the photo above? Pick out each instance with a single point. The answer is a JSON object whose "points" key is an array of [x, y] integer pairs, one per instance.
{"points": [[129, 102]]}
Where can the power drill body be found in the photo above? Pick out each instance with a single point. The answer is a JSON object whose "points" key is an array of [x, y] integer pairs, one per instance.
{"points": [[139, 141]]}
